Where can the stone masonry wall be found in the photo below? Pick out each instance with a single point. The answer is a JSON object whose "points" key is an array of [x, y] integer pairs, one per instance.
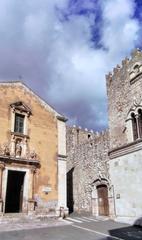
{"points": [[125, 99], [86, 162], [123, 91]]}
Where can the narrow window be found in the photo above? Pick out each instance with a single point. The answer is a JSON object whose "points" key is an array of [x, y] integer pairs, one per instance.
{"points": [[77, 136], [140, 122], [134, 126], [89, 136], [19, 123]]}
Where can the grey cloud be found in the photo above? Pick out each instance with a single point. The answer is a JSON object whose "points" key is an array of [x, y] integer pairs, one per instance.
{"points": [[56, 56]]}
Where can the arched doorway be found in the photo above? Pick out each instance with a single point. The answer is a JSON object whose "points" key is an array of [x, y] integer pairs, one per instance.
{"points": [[103, 198], [103, 205]]}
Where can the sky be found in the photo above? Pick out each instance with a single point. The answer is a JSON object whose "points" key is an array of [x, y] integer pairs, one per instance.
{"points": [[63, 49]]}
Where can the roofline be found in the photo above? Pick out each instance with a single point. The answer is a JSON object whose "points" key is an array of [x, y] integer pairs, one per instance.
{"points": [[58, 115]]}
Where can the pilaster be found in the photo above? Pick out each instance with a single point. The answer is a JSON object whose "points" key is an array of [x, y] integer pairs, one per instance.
{"points": [[2, 166], [62, 209], [31, 201]]}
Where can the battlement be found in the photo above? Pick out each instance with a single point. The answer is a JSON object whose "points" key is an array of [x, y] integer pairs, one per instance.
{"points": [[78, 136], [86, 130], [132, 65]]}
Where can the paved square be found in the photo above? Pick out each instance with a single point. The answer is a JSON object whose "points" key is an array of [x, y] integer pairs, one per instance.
{"points": [[73, 228]]}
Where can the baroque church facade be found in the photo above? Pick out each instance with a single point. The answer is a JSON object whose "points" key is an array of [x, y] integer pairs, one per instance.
{"points": [[105, 169], [32, 153]]}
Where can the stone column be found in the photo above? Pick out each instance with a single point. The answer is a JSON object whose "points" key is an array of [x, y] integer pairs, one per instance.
{"points": [[62, 209], [137, 122], [25, 124], [129, 130], [31, 201], [1, 174], [62, 161]]}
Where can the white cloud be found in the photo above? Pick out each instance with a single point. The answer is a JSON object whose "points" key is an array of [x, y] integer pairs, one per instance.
{"points": [[56, 55], [118, 11], [118, 25]]}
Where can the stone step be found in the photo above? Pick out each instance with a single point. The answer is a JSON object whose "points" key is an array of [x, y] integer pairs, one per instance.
{"points": [[14, 215], [21, 218]]}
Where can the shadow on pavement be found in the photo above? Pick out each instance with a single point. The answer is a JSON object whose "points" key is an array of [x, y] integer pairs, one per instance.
{"points": [[127, 233]]}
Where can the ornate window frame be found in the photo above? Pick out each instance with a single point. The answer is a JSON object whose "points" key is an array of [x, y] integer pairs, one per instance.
{"points": [[19, 140], [22, 109]]}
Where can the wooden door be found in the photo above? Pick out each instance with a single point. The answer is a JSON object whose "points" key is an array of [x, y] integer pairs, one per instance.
{"points": [[103, 200]]}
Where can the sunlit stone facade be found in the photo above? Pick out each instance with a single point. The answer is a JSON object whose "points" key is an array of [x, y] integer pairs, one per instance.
{"points": [[32, 153], [125, 126]]}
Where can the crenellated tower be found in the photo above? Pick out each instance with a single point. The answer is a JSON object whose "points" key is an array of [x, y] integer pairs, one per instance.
{"points": [[123, 86]]}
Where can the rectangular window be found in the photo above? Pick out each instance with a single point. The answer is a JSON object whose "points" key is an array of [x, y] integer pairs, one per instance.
{"points": [[19, 123]]}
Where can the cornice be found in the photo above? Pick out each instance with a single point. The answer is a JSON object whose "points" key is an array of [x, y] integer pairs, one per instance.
{"points": [[125, 149], [62, 157], [7, 159], [136, 78], [62, 118]]}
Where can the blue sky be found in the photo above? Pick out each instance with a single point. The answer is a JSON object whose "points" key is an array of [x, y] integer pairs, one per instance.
{"points": [[63, 49]]}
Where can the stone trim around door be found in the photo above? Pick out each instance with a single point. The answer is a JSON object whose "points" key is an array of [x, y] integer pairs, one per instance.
{"points": [[95, 200], [25, 188]]}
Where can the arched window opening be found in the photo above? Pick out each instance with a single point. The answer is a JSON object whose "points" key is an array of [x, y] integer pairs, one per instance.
{"points": [[134, 126], [136, 67], [140, 122]]}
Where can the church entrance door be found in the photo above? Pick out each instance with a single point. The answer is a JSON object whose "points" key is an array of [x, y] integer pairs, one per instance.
{"points": [[103, 200], [14, 192]]}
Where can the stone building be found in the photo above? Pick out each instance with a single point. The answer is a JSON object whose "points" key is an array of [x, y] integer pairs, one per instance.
{"points": [[32, 153], [89, 186], [125, 127], [105, 169]]}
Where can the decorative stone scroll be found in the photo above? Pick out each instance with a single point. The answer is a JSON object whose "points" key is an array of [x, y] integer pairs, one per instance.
{"points": [[33, 155], [18, 149]]}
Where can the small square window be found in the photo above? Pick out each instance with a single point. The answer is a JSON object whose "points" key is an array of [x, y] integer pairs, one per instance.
{"points": [[19, 123]]}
